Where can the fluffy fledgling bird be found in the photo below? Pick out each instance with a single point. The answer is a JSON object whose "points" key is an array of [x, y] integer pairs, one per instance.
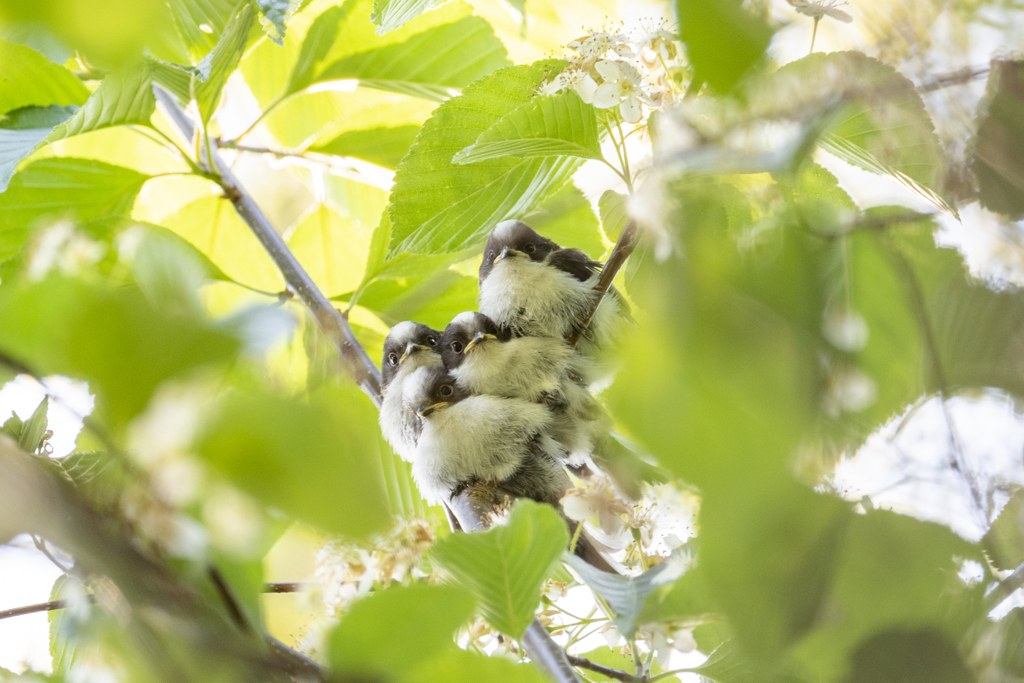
{"points": [[484, 359], [536, 288], [463, 438], [408, 347]]}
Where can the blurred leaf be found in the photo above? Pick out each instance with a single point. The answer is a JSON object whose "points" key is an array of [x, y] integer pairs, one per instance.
{"points": [[382, 146], [566, 218], [222, 60], [34, 429], [468, 47], [559, 125], [15, 145], [439, 207], [461, 665], [162, 238], [685, 599], [909, 657], [274, 15], [506, 566], [626, 594], [723, 40], [316, 461], [215, 229], [893, 573], [614, 214], [99, 474], [884, 128], [63, 622], [202, 22], [394, 630], [999, 144], [724, 665], [30, 79], [328, 247], [315, 46], [392, 14], [62, 188], [111, 337], [1004, 541]]}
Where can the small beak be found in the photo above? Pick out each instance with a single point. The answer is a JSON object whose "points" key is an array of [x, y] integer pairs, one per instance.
{"points": [[424, 411], [478, 338], [410, 349], [507, 252]]}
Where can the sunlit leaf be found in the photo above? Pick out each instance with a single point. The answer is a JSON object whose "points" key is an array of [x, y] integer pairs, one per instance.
{"points": [[222, 60], [381, 146], [614, 214], [506, 566], [274, 14], [396, 629], [332, 250], [392, 14], [559, 125], [437, 206], [30, 79], [315, 460], [997, 153], [201, 22], [723, 40], [459, 665]]}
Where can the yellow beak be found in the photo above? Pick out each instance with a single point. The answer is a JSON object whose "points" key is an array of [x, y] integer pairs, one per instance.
{"points": [[410, 349], [507, 252], [477, 339], [424, 411]]}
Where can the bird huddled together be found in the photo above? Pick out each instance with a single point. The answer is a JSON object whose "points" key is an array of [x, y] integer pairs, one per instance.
{"points": [[500, 396]]}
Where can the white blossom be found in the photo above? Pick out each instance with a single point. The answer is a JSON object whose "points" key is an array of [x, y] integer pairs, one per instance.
{"points": [[623, 86], [574, 79], [822, 8], [597, 501]]}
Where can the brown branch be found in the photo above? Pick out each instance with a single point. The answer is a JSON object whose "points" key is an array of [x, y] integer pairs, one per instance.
{"points": [[616, 674], [623, 248], [333, 324], [958, 77]]}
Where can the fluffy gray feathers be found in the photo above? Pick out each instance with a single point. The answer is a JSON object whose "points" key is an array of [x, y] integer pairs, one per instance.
{"points": [[407, 348], [465, 438]]}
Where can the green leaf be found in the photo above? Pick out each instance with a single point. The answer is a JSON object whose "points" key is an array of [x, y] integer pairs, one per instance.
{"points": [[274, 15], [15, 145], [111, 337], [909, 657], [559, 125], [999, 144], [221, 61], [394, 630], [318, 461], [315, 47], [201, 22], [428, 64], [33, 430], [626, 594], [884, 129], [29, 79], [439, 207], [723, 40], [122, 98], [64, 187], [391, 14], [64, 623], [614, 214], [382, 146], [567, 218], [460, 665], [331, 248], [1004, 541], [506, 566]]}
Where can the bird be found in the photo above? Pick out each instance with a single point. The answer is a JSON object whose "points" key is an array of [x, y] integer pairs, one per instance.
{"points": [[465, 441], [485, 359], [408, 347], [534, 287]]}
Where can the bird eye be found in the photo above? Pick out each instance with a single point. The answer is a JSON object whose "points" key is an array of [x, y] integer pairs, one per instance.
{"points": [[490, 255], [445, 390], [530, 248], [431, 341], [457, 347], [393, 358]]}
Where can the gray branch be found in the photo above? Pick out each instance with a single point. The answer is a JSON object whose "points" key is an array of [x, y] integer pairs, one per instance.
{"points": [[333, 324]]}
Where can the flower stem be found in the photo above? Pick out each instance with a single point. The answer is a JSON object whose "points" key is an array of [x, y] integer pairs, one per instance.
{"points": [[576, 537], [814, 33]]}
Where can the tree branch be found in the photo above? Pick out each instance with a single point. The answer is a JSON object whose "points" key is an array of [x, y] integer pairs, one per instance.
{"points": [[623, 248], [333, 324], [958, 77], [616, 674]]}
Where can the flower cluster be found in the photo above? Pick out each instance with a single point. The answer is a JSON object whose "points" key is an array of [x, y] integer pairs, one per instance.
{"points": [[347, 572], [610, 69]]}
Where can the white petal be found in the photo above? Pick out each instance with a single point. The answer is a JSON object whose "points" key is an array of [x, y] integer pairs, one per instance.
{"points": [[607, 95], [585, 88], [578, 508], [609, 69], [630, 109], [840, 15]]}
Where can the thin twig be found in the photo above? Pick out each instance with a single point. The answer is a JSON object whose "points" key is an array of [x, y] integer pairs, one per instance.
{"points": [[232, 604], [1006, 587], [333, 324], [623, 248], [616, 674], [958, 77]]}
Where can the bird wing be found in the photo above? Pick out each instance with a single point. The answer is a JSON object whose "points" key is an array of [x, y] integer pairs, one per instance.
{"points": [[575, 262]]}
